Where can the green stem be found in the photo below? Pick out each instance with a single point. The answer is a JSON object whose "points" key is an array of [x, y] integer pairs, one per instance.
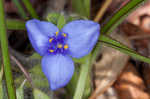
{"points": [[30, 9], [82, 78], [20, 9], [5, 54]]}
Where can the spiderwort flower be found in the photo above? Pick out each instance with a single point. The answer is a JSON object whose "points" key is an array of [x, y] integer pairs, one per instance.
{"points": [[76, 39]]}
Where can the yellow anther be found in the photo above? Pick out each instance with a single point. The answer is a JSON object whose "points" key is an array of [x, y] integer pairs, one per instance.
{"points": [[64, 34], [59, 45], [57, 33], [66, 46], [50, 40], [51, 51]]}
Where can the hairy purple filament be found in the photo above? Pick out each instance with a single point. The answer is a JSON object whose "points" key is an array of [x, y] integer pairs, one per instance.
{"points": [[58, 43]]}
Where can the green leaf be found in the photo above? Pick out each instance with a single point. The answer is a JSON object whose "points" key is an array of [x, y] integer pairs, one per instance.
{"points": [[5, 53], [75, 17], [61, 22], [116, 19], [20, 9], [30, 9], [71, 86], [82, 81], [57, 19], [107, 38], [87, 4], [80, 60], [35, 56], [38, 94], [82, 7], [38, 78], [20, 92], [53, 18], [122, 48], [15, 24]]}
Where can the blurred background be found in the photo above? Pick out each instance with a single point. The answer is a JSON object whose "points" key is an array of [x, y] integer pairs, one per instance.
{"points": [[114, 74]]}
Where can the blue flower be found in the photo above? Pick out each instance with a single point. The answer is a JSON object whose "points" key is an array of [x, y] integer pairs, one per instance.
{"points": [[76, 39]]}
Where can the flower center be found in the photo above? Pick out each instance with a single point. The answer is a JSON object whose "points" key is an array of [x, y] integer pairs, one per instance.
{"points": [[58, 43]]}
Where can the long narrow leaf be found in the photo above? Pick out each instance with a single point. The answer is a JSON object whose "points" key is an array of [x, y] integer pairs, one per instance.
{"points": [[85, 67], [5, 54], [30, 9], [81, 7], [123, 48], [15, 24], [120, 16], [115, 21], [117, 43], [20, 9]]}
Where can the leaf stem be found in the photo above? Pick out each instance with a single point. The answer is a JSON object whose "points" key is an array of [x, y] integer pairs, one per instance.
{"points": [[82, 78], [5, 54], [20, 9], [30, 9]]}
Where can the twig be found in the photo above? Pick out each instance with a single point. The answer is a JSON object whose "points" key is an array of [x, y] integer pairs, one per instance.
{"points": [[22, 69], [102, 10], [1, 85]]}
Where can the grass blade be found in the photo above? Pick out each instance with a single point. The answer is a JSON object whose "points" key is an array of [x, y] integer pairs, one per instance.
{"points": [[122, 48], [85, 67], [82, 7], [120, 16], [115, 21], [5, 54], [30, 9], [15, 24], [20, 9]]}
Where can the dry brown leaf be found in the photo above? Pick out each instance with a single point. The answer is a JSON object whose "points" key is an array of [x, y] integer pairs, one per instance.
{"points": [[130, 85], [141, 17], [109, 94], [136, 34], [109, 67], [146, 76]]}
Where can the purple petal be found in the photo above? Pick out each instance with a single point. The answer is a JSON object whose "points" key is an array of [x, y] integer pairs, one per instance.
{"points": [[39, 33], [58, 69], [82, 36]]}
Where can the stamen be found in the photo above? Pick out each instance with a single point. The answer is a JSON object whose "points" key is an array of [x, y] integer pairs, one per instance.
{"points": [[64, 34], [59, 45], [51, 51], [57, 33], [50, 40], [66, 46]]}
